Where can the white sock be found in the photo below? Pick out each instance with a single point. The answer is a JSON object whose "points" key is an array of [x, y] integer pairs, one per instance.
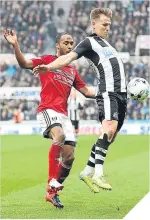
{"points": [[88, 170], [98, 170]]}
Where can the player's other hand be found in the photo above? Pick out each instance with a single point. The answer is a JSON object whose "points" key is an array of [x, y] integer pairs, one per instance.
{"points": [[40, 69], [10, 36]]}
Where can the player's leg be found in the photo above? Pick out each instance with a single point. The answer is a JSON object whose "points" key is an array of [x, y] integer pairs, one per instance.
{"points": [[115, 104], [90, 166], [87, 173], [108, 116], [89, 169], [58, 137], [51, 125], [101, 149], [67, 153], [66, 161], [76, 128]]}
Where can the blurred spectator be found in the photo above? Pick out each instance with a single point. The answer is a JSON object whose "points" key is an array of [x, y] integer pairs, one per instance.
{"points": [[18, 116], [60, 21]]}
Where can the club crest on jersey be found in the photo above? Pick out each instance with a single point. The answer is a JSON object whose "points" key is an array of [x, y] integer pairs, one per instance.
{"points": [[115, 115], [54, 119]]}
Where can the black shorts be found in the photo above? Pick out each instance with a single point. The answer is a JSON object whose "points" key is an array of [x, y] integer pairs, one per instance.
{"points": [[75, 124], [112, 106]]}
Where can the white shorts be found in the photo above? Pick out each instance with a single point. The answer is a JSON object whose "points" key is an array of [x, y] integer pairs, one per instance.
{"points": [[50, 118]]}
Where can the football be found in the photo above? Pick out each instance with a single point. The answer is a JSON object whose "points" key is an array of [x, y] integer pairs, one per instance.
{"points": [[138, 89]]}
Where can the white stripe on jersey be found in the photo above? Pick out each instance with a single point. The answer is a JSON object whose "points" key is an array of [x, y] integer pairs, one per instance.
{"points": [[122, 73], [108, 76], [105, 54]]}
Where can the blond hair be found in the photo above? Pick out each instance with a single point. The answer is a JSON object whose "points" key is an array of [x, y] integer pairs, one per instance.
{"points": [[96, 12]]}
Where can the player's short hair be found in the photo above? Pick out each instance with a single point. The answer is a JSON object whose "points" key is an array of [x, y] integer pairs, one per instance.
{"points": [[58, 37], [96, 12]]}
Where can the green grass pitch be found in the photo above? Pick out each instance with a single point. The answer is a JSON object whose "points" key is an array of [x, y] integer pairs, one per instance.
{"points": [[24, 162]]}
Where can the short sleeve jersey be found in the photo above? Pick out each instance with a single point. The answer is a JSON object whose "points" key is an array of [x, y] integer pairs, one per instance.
{"points": [[56, 85], [105, 61]]}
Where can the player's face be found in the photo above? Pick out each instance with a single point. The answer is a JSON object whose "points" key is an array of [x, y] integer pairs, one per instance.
{"points": [[65, 44], [101, 26]]}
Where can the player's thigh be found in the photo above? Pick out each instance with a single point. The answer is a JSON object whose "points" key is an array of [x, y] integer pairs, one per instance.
{"points": [[108, 110], [57, 134], [109, 126], [68, 131], [50, 122]]}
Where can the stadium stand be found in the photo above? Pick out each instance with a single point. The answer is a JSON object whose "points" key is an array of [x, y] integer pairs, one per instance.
{"points": [[35, 24], [31, 20]]}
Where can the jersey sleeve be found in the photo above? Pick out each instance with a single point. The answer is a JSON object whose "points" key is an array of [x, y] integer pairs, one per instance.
{"points": [[78, 82], [83, 47], [37, 61], [42, 60]]}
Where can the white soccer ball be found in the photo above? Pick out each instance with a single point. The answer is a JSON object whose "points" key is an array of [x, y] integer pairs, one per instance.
{"points": [[138, 89]]}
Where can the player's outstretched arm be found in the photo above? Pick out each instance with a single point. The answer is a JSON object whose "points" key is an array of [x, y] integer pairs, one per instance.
{"points": [[88, 92], [11, 37], [61, 61]]}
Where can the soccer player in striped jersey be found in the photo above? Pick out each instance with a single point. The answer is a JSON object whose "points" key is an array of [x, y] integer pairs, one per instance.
{"points": [[111, 97], [74, 108], [52, 110]]}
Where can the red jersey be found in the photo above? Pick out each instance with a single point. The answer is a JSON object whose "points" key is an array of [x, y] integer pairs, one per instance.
{"points": [[56, 85]]}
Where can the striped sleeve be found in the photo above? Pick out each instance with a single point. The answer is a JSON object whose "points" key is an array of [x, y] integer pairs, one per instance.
{"points": [[82, 48]]}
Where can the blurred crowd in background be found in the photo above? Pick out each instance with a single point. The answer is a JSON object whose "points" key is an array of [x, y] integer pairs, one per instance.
{"points": [[136, 110], [130, 19], [34, 21], [38, 22], [30, 20]]}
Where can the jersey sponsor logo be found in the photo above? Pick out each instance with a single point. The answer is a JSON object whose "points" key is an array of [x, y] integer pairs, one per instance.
{"points": [[63, 79], [62, 72], [107, 52]]}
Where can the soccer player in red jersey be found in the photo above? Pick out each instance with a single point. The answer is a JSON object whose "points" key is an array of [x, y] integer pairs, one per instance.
{"points": [[52, 111]]}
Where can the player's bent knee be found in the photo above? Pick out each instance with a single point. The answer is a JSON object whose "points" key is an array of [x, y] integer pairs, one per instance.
{"points": [[68, 159], [111, 133]]}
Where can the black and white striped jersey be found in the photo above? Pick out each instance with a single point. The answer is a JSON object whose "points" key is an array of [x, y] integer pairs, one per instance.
{"points": [[74, 108], [105, 61]]}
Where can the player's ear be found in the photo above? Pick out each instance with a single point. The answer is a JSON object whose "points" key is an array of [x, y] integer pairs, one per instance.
{"points": [[57, 46], [93, 24]]}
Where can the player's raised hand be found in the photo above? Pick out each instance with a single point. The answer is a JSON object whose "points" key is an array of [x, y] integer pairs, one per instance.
{"points": [[10, 36], [40, 69]]}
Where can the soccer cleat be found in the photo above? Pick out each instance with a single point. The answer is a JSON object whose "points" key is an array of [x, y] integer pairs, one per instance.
{"points": [[101, 183], [88, 180], [53, 198], [54, 184]]}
